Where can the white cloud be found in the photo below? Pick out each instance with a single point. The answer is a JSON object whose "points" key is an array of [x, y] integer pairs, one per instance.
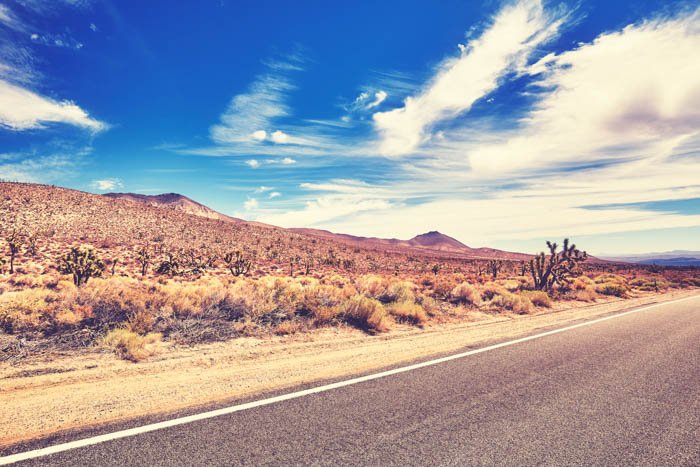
{"points": [[93, 27], [617, 121], [34, 168], [274, 194], [259, 135], [263, 189], [379, 97], [628, 94], [21, 109], [107, 184], [251, 204], [280, 137], [250, 112], [9, 19], [253, 163], [505, 46], [287, 161]]}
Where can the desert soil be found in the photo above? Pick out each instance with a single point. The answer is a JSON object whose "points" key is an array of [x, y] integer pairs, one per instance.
{"points": [[44, 396]]}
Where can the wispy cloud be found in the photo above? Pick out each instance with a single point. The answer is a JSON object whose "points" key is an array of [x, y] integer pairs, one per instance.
{"points": [[22, 109], [613, 120], [504, 47]]}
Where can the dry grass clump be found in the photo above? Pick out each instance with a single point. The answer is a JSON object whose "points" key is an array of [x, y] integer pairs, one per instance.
{"points": [[399, 291], [538, 298], [408, 311], [497, 297], [130, 345], [465, 293], [611, 284], [22, 311], [650, 284], [512, 302], [583, 289], [372, 285], [366, 313]]}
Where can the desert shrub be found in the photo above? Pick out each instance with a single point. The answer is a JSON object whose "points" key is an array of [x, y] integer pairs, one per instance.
{"points": [[581, 283], [443, 286], [650, 284], [512, 302], [322, 302], [490, 290], [608, 278], [112, 301], [23, 310], [538, 298], [130, 345], [611, 288], [465, 293], [587, 294], [366, 313], [429, 304], [372, 286], [399, 291], [510, 285], [408, 311]]}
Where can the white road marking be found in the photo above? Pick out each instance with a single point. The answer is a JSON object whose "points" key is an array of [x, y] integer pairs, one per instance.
{"points": [[272, 400]]}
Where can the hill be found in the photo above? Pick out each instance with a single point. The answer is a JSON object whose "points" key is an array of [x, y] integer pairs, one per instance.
{"points": [[174, 201], [434, 241], [668, 258], [119, 224]]}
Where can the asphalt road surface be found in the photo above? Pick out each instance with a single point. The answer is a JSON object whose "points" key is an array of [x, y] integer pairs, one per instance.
{"points": [[618, 392]]}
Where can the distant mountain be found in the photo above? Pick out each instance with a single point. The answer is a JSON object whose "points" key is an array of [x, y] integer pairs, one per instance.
{"points": [[428, 241], [668, 258], [174, 201]]}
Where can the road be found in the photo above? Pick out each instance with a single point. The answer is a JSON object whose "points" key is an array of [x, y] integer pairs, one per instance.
{"points": [[616, 392]]}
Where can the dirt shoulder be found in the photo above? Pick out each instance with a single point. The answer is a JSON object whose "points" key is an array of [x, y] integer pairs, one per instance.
{"points": [[39, 398]]}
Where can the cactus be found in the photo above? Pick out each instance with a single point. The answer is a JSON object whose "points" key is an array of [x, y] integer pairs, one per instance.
{"points": [[494, 266], [82, 264], [523, 268], [144, 256], [171, 265], [15, 241], [237, 263], [559, 268]]}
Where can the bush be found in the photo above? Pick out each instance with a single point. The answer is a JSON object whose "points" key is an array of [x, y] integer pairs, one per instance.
{"points": [[366, 313], [586, 294], [465, 293], [515, 303], [130, 345], [399, 291], [372, 286], [611, 288], [538, 298], [408, 311]]}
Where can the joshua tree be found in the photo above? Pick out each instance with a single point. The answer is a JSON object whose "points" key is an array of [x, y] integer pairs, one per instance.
{"points": [[308, 263], [436, 269], [32, 244], [15, 241], [144, 256], [494, 266], [3, 262], [171, 265], [559, 268], [82, 264], [523, 268], [237, 263]]}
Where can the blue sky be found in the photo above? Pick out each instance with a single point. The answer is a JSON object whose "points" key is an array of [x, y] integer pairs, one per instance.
{"points": [[499, 123]]}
